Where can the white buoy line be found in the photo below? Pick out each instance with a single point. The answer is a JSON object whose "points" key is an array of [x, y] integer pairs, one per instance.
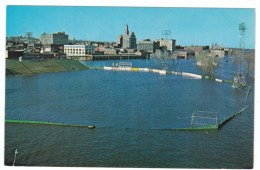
{"points": [[161, 72]]}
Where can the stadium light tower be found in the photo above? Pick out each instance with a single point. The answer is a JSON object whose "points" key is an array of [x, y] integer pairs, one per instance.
{"points": [[166, 33], [242, 29], [239, 79], [164, 55]]}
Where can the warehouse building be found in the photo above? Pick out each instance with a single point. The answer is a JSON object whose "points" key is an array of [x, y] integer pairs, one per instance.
{"points": [[79, 50]]}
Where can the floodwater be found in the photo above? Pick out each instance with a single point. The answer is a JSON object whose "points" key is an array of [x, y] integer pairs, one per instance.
{"points": [[131, 112]]}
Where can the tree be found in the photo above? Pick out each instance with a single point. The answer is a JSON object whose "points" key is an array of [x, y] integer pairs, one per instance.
{"points": [[208, 63]]}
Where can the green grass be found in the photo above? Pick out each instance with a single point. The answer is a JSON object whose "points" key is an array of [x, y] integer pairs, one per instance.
{"points": [[27, 67], [35, 66], [53, 66], [17, 68], [42, 123], [72, 64]]}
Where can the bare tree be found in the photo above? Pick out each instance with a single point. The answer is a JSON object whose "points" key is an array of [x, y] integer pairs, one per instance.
{"points": [[208, 63]]}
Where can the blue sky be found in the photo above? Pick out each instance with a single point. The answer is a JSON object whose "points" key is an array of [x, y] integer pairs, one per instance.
{"points": [[189, 26]]}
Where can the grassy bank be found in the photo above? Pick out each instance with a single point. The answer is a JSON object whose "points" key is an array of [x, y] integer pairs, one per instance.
{"points": [[27, 67]]}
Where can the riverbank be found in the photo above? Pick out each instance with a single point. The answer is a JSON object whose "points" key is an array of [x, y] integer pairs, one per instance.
{"points": [[27, 67]]}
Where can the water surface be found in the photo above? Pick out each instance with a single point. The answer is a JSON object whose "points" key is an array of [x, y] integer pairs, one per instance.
{"points": [[129, 109]]}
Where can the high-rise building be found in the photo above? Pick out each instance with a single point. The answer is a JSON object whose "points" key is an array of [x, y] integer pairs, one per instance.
{"points": [[128, 40], [55, 38], [126, 30]]}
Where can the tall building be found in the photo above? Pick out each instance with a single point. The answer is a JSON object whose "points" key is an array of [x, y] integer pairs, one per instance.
{"points": [[119, 40], [126, 30], [169, 43], [55, 38], [128, 40]]}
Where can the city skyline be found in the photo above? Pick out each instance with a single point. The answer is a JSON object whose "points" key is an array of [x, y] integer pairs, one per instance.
{"points": [[189, 26]]}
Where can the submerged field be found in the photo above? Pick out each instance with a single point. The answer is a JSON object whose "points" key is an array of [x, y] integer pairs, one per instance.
{"points": [[130, 111]]}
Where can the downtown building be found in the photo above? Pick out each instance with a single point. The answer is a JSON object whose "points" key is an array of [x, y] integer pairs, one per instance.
{"points": [[147, 45], [54, 43], [197, 49], [79, 50], [219, 51], [55, 38], [128, 40], [168, 43]]}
